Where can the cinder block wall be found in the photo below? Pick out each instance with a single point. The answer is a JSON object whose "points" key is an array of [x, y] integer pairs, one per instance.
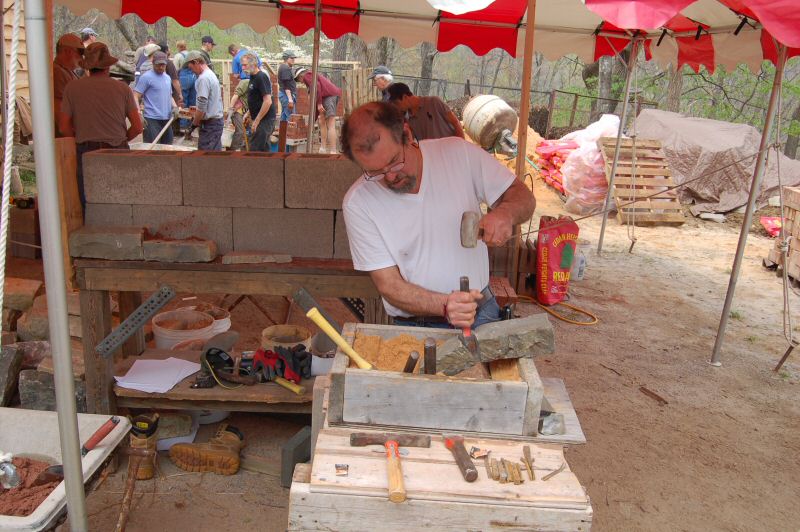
{"points": [[284, 203]]}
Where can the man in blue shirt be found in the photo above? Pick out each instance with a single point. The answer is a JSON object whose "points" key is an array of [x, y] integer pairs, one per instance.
{"points": [[237, 52], [155, 89]]}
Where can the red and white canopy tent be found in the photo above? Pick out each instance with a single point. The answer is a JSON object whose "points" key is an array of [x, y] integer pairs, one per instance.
{"points": [[702, 32]]}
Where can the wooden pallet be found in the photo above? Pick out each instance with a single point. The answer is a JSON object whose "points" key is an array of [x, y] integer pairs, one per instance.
{"points": [[648, 174]]}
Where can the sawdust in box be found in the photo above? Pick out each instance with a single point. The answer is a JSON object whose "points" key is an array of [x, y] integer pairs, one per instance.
{"points": [[391, 354]]}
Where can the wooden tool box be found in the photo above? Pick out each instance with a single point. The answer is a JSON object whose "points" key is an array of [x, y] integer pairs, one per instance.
{"points": [[401, 401]]}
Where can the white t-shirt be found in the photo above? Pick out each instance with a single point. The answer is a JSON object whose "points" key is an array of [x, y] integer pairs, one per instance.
{"points": [[421, 233]]}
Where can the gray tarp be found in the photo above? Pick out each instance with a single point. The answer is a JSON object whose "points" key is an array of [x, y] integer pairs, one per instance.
{"points": [[697, 146]]}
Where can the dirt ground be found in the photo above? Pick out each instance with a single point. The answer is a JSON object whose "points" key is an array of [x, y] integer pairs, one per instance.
{"points": [[722, 454]]}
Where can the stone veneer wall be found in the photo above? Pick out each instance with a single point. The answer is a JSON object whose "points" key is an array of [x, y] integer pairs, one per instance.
{"points": [[244, 201]]}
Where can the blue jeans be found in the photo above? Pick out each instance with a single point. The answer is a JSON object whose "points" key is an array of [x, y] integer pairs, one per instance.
{"points": [[488, 312], [153, 127], [210, 138], [187, 78], [286, 113]]}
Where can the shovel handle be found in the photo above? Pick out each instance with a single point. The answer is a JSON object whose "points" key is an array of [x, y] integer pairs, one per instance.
{"points": [[326, 327], [397, 490], [99, 434]]}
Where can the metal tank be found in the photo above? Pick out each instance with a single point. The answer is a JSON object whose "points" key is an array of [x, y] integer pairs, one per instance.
{"points": [[490, 121]]}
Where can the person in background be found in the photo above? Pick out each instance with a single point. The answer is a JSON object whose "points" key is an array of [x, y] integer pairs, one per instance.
{"points": [[381, 79], [187, 78], [172, 72], [95, 108], [237, 111], [237, 52], [327, 99], [287, 86], [428, 116], [138, 56], [88, 36], [147, 63], [154, 92], [259, 101], [69, 51], [180, 56], [207, 45], [208, 116]]}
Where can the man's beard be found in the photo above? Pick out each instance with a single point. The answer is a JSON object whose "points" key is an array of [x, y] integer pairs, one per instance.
{"points": [[410, 183]]}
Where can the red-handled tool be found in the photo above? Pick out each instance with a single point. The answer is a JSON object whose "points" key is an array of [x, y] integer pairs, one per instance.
{"points": [[99, 435], [464, 462], [466, 336]]}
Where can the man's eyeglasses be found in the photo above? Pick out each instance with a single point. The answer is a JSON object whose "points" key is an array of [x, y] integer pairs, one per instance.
{"points": [[369, 176]]}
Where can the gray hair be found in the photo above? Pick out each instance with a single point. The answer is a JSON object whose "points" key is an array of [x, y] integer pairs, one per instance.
{"points": [[387, 77], [250, 58]]}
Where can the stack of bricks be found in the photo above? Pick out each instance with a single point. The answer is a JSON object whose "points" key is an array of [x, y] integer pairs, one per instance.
{"points": [[499, 265], [297, 127], [243, 201], [791, 228]]}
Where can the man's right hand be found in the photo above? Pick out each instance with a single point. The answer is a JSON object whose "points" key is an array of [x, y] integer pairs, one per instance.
{"points": [[290, 105], [462, 307]]}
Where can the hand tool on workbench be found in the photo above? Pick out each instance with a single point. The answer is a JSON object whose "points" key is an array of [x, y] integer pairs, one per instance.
{"points": [[274, 367], [411, 362], [321, 343], [555, 472], [528, 461], [430, 356], [464, 462], [392, 442], [466, 336], [326, 327]]}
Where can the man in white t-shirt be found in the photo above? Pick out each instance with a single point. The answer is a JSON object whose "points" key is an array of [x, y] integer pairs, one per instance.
{"points": [[403, 217]]}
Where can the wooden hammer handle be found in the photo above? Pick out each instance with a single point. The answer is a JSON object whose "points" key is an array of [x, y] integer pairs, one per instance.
{"points": [[326, 327], [464, 462], [397, 490]]}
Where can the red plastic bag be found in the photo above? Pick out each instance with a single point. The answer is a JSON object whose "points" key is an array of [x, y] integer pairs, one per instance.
{"points": [[771, 224], [555, 251]]}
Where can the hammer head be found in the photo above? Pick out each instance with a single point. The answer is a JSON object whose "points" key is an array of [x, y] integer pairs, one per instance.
{"points": [[469, 229], [361, 439]]}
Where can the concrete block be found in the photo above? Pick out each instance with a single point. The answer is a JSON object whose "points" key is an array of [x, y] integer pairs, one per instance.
{"points": [[78, 369], [518, 338], [341, 246], [37, 391], [18, 294], [113, 243], [298, 232], [295, 451], [233, 179], [109, 214], [208, 223], [318, 181], [254, 257], [180, 250], [128, 177], [10, 366]]}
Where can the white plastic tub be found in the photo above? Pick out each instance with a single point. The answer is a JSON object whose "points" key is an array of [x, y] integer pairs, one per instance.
{"points": [[34, 433], [167, 337], [222, 318]]}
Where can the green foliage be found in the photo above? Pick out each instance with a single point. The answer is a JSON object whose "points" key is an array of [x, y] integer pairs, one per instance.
{"points": [[736, 315], [27, 176]]}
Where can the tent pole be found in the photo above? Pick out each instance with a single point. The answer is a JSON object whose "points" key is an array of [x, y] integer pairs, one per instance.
{"points": [[758, 174], [39, 62], [312, 107], [524, 112], [610, 195]]}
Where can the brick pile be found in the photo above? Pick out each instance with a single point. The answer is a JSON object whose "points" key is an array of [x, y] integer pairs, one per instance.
{"points": [[280, 203]]}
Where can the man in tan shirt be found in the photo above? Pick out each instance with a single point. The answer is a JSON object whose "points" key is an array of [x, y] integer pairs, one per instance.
{"points": [[69, 51]]}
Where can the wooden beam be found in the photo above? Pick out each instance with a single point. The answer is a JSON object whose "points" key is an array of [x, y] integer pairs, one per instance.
{"points": [[96, 322]]}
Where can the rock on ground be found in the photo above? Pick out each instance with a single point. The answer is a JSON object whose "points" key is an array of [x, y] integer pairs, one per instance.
{"points": [[10, 366], [18, 294], [37, 391]]}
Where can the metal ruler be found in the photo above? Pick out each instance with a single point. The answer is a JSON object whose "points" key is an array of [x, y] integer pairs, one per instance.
{"points": [[135, 321]]}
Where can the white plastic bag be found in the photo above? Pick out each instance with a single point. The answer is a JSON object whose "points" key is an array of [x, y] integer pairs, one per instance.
{"points": [[584, 169]]}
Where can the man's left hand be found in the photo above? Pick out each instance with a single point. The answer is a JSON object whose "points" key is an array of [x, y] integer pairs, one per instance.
{"points": [[497, 228]]}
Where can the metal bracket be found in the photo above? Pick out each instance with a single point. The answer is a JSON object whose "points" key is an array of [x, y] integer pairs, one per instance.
{"points": [[135, 321]]}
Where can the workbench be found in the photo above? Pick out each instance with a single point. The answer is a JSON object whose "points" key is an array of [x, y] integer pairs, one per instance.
{"points": [[96, 278]]}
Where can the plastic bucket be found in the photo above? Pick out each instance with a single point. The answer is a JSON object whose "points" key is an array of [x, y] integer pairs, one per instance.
{"points": [[284, 336], [175, 326], [222, 318], [227, 137]]}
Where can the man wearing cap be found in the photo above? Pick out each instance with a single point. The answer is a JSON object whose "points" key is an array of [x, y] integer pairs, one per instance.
{"points": [[381, 78], [95, 107], [207, 45], [154, 88], [69, 51], [327, 100], [208, 116], [172, 72], [147, 59], [237, 52], [287, 86], [428, 116], [88, 36], [259, 101]]}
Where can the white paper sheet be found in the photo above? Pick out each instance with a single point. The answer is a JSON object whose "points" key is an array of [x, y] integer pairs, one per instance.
{"points": [[157, 376]]}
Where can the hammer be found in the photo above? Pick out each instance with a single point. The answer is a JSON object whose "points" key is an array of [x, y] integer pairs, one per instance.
{"points": [[470, 232], [392, 442]]}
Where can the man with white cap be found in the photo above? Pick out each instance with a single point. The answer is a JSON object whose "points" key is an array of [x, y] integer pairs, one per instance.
{"points": [[69, 51], [154, 90], [88, 36], [95, 107], [381, 78], [147, 56]]}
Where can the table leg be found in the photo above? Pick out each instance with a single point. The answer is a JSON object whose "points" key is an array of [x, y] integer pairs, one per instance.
{"points": [[375, 312], [96, 325], [128, 302]]}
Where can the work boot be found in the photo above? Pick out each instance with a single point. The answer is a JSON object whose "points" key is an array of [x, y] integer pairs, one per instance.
{"points": [[144, 430], [220, 455]]}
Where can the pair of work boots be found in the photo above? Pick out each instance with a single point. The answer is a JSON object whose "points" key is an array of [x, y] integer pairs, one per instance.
{"points": [[219, 455]]}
